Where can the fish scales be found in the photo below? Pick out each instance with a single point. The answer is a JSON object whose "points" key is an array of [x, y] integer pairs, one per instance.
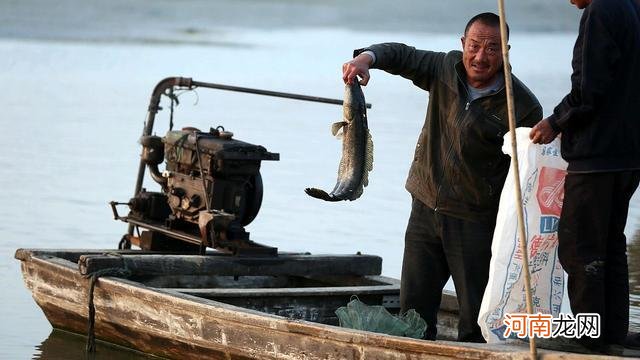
{"points": [[357, 149]]}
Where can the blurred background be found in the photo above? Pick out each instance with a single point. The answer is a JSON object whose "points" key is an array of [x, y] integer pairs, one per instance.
{"points": [[78, 76]]}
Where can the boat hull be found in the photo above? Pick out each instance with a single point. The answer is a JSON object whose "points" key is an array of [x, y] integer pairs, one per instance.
{"points": [[174, 324]]}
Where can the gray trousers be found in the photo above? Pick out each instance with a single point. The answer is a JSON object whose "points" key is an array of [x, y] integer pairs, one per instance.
{"points": [[438, 246]]}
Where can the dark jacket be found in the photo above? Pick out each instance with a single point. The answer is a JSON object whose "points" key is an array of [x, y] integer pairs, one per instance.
{"points": [[600, 118], [458, 168]]}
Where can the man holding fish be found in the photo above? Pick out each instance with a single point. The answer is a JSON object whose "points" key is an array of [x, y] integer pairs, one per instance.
{"points": [[458, 169]]}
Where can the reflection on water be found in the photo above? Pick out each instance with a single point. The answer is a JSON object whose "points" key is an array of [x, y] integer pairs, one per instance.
{"points": [[633, 255], [68, 346]]}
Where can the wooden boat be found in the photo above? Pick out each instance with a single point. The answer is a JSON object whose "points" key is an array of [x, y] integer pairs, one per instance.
{"points": [[222, 307]]}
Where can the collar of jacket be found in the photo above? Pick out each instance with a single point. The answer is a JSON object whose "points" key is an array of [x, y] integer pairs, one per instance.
{"points": [[524, 99]]}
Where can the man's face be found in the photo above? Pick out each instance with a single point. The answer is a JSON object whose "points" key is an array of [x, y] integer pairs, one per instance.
{"points": [[481, 54], [580, 4]]}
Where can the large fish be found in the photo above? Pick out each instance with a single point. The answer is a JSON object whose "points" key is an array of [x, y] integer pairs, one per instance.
{"points": [[357, 149]]}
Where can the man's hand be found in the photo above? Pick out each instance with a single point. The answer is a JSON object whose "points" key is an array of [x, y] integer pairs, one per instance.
{"points": [[542, 133], [358, 66]]}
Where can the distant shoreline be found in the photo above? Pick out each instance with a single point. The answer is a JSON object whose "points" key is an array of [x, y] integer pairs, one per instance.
{"points": [[191, 21]]}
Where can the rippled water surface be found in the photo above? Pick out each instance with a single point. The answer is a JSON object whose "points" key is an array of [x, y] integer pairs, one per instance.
{"points": [[75, 97]]}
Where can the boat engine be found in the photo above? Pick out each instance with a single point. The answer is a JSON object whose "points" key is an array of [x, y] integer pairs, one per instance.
{"points": [[211, 187]]}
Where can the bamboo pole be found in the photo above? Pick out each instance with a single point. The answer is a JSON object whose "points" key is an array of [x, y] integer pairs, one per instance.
{"points": [[514, 161]]}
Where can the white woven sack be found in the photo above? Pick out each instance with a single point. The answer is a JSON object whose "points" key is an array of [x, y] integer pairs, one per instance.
{"points": [[542, 172]]}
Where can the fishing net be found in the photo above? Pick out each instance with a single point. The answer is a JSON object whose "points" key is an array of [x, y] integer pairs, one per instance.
{"points": [[360, 316]]}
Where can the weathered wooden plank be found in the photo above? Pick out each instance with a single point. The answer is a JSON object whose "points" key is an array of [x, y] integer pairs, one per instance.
{"points": [[74, 255], [274, 292], [266, 337], [295, 265], [449, 302], [181, 326], [301, 337], [280, 281], [193, 323]]}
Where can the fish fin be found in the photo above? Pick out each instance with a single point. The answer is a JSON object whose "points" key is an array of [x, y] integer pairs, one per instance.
{"points": [[369, 152], [368, 160], [337, 129]]}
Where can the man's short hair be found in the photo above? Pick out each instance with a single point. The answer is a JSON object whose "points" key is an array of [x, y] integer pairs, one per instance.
{"points": [[487, 18]]}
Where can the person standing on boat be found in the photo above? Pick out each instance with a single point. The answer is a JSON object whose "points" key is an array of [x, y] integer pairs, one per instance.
{"points": [[458, 169], [600, 125]]}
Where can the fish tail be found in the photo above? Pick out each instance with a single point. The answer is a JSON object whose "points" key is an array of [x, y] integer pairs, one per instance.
{"points": [[320, 194]]}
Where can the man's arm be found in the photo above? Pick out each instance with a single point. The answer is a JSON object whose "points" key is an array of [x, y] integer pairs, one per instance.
{"points": [[419, 66], [591, 81]]}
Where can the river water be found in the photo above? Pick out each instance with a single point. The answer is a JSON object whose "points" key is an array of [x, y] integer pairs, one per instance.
{"points": [[78, 76]]}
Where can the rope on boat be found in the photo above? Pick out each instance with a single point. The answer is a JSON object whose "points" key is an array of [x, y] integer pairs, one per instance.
{"points": [[119, 272]]}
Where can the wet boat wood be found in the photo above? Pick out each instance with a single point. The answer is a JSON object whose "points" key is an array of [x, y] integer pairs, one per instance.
{"points": [[220, 307]]}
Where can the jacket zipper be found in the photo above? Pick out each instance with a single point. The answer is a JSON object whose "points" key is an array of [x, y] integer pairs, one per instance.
{"points": [[450, 150], [449, 153]]}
